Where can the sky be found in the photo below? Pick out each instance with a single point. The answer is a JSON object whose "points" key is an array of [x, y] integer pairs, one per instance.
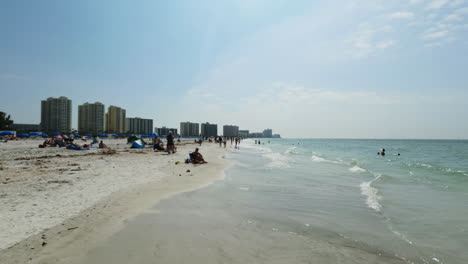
{"points": [[306, 69]]}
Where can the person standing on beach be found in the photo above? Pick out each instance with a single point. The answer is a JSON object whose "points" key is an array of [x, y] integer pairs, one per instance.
{"points": [[220, 141], [170, 143], [224, 141]]}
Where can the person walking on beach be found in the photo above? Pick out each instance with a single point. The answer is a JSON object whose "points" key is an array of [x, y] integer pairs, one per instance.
{"points": [[224, 141], [220, 141]]}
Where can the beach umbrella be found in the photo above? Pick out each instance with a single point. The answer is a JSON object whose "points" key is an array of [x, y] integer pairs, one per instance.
{"points": [[88, 135], [115, 135], [102, 135], [4, 133], [56, 134], [44, 135], [76, 134], [154, 134], [34, 134], [122, 135], [23, 135]]}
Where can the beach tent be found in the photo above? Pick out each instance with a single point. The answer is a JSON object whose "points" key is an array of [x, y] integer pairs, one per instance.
{"points": [[23, 135], [88, 135], [56, 134], [6, 133], [34, 134], [138, 144]]}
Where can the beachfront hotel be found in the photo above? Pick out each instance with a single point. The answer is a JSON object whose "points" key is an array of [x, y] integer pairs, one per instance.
{"points": [[268, 133], [164, 131], [115, 120], [56, 115], [91, 118], [139, 126], [209, 130], [230, 131], [188, 129]]}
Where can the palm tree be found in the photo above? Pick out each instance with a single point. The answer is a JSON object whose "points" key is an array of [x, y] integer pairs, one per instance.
{"points": [[5, 121]]}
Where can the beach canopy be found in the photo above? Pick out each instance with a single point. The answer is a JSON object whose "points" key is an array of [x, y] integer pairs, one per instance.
{"points": [[4, 133], [76, 134], [23, 135], [44, 135], [88, 135], [138, 144], [123, 135], [115, 135], [102, 135], [56, 134], [34, 134]]}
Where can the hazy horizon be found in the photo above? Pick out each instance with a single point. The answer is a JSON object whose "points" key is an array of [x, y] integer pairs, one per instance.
{"points": [[321, 69]]}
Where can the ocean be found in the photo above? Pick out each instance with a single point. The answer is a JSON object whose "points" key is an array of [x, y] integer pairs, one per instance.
{"points": [[320, 201]]}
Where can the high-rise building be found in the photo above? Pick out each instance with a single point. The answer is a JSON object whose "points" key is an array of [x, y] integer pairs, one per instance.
{"points": [[115, 120], [243, 133], [164, 131], [209, 130], [25, 128], [56, 115], [230, 131], [188, 129], [139, 126], [267, 133], [91, 118]]}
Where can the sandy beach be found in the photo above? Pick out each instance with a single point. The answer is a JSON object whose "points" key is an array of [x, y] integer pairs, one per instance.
{"points": [[56, 203]]}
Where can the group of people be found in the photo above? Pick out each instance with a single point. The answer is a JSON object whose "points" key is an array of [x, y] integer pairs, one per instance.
{"points": [[158, 145], [69, 143], [223, 141]]}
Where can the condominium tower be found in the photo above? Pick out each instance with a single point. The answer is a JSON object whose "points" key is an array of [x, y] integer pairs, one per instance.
{"points": [[139, 126], [115, 120], [56, 115], [209, 130], [188, 129], [230, 131], [91, 118]]}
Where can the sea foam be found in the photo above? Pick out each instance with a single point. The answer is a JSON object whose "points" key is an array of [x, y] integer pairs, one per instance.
{"points": [[277, 160], [357, 169], [371, 192]]}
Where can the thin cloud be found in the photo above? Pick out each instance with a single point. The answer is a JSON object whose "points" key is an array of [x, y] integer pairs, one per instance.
{"points": [[435, 35], [402, 15], [436, 4], [415, 2], [457, 3]]}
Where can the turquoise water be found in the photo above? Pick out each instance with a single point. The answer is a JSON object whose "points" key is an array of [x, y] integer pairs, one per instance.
{"points": [[313, 201], [414, 205]]}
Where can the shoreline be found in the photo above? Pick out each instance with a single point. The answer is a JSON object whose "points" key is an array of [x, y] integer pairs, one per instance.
{"points": [[68, 240]]}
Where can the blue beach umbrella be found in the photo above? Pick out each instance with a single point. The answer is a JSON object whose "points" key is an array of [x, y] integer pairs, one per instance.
{"points": [[154, 134], [88, 135], [122, 135], [34, 134], [23, 135], [115, 135], [102, 135], [76, 134], [56, 134], [44, 135], [4, 133]]}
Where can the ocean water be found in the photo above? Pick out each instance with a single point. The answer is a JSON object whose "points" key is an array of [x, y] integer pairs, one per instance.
{"points": [[317, 201]]}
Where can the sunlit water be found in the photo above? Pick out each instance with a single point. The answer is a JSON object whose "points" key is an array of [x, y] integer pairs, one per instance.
{"points": [[332, 201]]}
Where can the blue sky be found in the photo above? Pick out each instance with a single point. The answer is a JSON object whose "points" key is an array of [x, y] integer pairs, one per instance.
{"points": [[348, 69]]}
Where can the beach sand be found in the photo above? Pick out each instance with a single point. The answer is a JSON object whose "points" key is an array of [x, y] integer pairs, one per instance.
{"points": [[57, 204]]}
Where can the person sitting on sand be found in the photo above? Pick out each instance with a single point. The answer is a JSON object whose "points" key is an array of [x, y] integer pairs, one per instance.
{"points": [[102, 145], [158, 144], [197, 157]]}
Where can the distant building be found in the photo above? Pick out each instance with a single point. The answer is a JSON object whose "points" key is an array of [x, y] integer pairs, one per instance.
{"points": [[276, 136], [209, 130], [244, 133], [267, 133], [56, 115], [139, 126], [25, 128], [188, 129], [256, 135], [230, 131], [164, 131], [91, 118], [115, 120]]}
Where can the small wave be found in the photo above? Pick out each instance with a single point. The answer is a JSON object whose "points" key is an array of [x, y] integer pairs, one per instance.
{"points": [[357, 169], [320, 159], [291, 150], [244, 188], [277, 160], [371, 192]]}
